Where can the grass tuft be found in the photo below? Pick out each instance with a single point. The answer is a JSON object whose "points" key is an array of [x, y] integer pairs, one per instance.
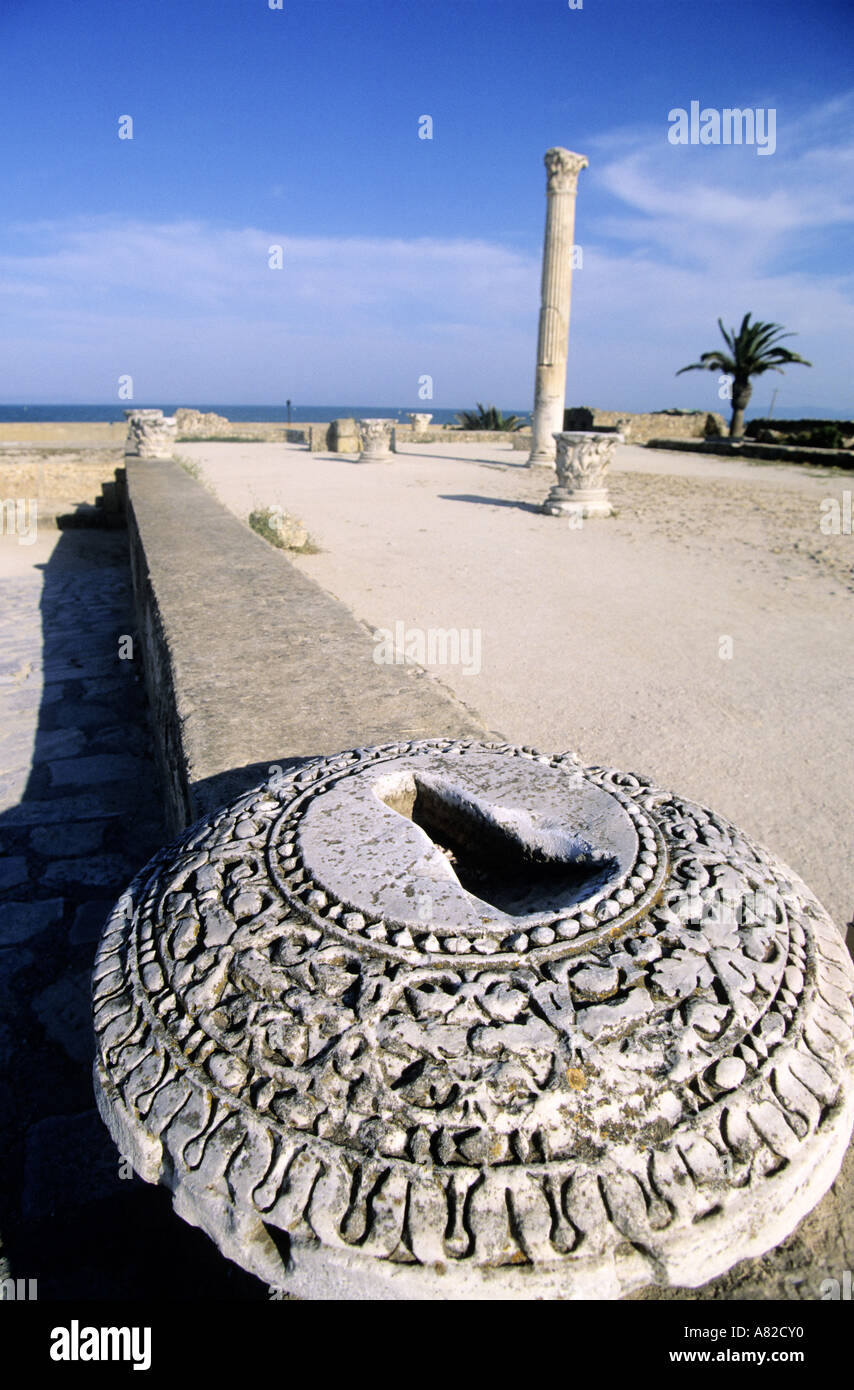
{"points": [[267, 521]]}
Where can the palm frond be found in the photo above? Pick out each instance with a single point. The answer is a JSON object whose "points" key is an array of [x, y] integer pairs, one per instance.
{"points": [[754, 349]]}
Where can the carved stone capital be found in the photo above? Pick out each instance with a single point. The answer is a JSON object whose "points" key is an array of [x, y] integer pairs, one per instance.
{"points": [[583, 459], [151, 434], [606, 1043], [375, 435], [562, 169]]}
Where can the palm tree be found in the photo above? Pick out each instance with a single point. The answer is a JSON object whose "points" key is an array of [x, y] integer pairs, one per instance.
{"points": [[753, 350], [488, 418]]}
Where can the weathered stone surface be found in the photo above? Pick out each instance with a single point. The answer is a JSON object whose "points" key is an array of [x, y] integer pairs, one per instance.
{"points": [[88, 923], [461, 1020], [344, 437], [301, 702], [20, 921], [92, 870], [562, 168], [13, 872], [291, 532], [67, 1216], [63, 1009], [151, 434], [640, 427], [69, 841], [75, 712], [375, 436], [200, 423], [67, 1165], [583, 457], [99, 767], [207, 424], [111, 799], [58, 743]]}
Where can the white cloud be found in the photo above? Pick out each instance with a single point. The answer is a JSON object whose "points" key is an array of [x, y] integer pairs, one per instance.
{"points": [[345, 317], [194, 313], [696, 232]]}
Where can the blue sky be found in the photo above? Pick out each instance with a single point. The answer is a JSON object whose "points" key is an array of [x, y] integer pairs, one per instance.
{"points": [[255, 127]]}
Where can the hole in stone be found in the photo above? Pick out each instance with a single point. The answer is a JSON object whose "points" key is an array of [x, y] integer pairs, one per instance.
{"points": [[499, 854]]}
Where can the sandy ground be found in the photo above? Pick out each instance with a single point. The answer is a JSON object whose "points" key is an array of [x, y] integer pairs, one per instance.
{"points": [[608, 638]]}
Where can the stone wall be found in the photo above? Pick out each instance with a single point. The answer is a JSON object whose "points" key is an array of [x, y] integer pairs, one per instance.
{"points": [[247, 662], [518, 439], [322, 437], [775, 431], [104, 434], [196, 424], [641, 428], [770, 453]]}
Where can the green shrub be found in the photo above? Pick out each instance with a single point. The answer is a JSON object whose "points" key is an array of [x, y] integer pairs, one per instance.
{"points": [[488, 418], [282, 530]]}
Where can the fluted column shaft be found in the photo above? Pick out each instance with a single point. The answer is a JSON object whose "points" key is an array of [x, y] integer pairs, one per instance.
{"points": [[563, 168]]}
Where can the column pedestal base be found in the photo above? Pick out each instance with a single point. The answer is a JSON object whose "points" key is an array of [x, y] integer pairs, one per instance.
{"points": [[584, 502]]}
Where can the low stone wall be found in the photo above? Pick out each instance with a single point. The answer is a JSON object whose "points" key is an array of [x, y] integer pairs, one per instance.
{"points": [[641, 428], [771, 453], [195, 424], [247, 662], [781, 431], [105, 434], [519, 439], [322, 437]]}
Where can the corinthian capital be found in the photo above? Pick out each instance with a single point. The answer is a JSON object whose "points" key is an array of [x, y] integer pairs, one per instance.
{"points": [[563, 168]]}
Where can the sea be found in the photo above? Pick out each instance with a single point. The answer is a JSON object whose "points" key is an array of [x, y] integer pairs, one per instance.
{"points": [[278, 414], [272, 414]]}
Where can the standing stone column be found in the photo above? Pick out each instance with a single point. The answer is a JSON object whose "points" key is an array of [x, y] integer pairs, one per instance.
{"points": [[563, 168]]}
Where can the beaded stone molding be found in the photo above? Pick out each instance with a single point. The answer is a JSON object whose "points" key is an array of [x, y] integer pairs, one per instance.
{"points": [[459, 1020]]}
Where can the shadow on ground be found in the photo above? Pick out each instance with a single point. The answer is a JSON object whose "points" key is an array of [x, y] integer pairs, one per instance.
{"points": [[74, 829], [492, 501]]}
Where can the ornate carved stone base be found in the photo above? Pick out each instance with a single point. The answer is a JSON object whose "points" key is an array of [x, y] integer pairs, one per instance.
{"points": [[582, 502], [557, 1034], [151, 434], [376, 440], [583, 457]]}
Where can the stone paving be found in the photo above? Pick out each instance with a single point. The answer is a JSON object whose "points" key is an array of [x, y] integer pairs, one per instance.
{"points": [[79, 815]]}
